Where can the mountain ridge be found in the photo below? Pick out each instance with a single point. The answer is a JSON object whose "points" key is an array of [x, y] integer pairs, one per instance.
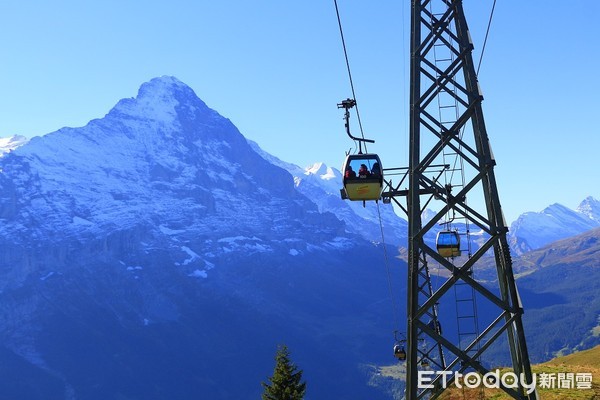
{"points": [[533, 230], [321, 183]]}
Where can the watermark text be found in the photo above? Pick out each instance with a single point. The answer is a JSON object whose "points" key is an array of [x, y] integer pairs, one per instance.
{"points": [[497, 379]]}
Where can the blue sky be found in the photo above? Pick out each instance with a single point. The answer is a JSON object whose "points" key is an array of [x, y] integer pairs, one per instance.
{"points": [[276, 69]]}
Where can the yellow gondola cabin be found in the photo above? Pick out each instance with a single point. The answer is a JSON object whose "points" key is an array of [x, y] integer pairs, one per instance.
{"points": [[399, 352], [363, 177], [448, 244]]}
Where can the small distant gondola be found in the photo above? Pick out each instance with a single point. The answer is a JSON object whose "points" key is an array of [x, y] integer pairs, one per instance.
{"points": [[399, 352], [448, 244], [363, 177]]}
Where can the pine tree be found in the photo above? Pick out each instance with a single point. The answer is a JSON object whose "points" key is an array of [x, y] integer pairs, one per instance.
{"points": [[285, 383]]}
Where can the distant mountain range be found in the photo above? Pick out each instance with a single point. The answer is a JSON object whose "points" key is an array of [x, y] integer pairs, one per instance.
{"points": [[156, 253], [559, 285], [321, 184], [531, 230], [534, 230]]}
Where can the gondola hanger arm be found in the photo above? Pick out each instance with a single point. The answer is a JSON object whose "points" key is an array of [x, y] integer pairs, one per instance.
{"points": [[347, 105]]}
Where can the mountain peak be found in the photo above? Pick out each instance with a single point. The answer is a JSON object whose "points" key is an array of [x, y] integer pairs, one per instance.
{"points": [[166, 80], [321, 170], [591, 208], [161, 99], [590, 200], [163, 85], [533, 230], [162, 156]]}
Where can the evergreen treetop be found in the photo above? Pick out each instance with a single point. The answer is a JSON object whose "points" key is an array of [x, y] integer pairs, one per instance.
{"points": [[285, 383]]}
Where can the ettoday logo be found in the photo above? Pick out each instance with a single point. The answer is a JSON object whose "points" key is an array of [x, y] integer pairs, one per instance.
{"points": [[496, 379]]}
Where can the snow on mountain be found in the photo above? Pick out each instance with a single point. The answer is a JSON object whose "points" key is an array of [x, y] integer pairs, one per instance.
{"points": [[322, 185], [323, 172], [161, 159], [591, 208], [533, 230], [11, 143]]}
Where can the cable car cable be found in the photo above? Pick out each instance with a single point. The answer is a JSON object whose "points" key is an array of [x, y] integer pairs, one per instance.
{"points": [[486, 37], [337, 11], [389, 275], [385, 255]]}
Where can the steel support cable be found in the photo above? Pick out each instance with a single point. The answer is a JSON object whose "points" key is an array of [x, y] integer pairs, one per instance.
{"points": [[337, 11], [385, 255], [486, 37], [389, 275]]}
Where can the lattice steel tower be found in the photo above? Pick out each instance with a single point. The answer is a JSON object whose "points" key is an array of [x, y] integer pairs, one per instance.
{"points": [[451, 161]]}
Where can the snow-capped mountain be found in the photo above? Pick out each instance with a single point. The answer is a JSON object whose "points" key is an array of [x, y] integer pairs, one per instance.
{"points": [[533, 230], [591, 208], [154, 254], [163, 159]]}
